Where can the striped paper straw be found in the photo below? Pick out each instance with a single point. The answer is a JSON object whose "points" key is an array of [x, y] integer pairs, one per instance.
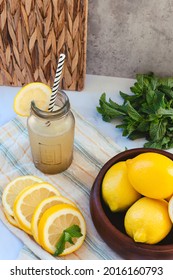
{"points": [[56, 82]]}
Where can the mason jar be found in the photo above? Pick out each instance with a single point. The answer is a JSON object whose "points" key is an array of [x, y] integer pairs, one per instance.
{"points": [[51, 136]]}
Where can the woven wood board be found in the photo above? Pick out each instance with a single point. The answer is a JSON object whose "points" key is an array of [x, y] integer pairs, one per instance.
{"points": [[32, 35]]}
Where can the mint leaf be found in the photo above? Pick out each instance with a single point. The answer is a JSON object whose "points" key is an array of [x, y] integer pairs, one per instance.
{"points": [[60, 246], [68, 238], [157, 129], [166, 90], [166, 81], [143, 126], [132, 112], [165, 112], [72, 232]]}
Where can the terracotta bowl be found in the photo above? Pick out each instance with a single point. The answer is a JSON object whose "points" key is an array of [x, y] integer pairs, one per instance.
{"points": [[110, 225]]}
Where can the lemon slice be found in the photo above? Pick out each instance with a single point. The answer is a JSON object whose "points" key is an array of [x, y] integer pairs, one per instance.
{"points": [[13, 188], [27, 201], [54, 221], [13, 221], [42, 207], [170, 208], [10, 219], [37, 92]]}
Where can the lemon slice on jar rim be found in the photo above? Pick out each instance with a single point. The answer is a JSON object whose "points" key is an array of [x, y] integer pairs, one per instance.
{"points": [[40, 93]]}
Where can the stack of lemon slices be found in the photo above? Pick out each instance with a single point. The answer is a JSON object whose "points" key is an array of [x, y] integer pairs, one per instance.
{"points": [[39, 209]]}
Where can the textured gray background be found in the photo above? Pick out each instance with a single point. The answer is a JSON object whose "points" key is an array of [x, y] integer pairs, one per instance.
{"points": [[126, 37]]}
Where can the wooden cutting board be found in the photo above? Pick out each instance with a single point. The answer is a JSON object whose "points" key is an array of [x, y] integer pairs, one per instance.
{"points": [[33, 34]]}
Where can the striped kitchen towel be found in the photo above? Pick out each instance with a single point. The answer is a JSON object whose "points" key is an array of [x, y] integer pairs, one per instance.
{"points": [[91, 151]]}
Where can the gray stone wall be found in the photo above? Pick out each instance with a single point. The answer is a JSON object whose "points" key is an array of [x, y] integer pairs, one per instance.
{"points": [[126, 37]]}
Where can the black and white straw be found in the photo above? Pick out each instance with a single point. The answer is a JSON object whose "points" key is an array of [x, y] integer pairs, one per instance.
{"points": [[56, 81]]}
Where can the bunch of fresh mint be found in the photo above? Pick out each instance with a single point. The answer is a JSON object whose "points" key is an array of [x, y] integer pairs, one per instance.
{"points": [[147, 112]]}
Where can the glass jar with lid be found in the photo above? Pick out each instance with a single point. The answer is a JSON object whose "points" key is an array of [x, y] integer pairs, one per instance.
{"points": [[51, 136]]}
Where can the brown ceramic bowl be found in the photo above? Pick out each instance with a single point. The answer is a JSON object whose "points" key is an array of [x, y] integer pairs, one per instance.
{"points": [[110, 225]]}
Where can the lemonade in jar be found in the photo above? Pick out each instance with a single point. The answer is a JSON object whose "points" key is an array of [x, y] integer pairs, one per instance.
{"points": [[51, 136]]}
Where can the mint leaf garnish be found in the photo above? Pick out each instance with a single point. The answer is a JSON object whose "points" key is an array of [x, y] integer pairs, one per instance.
{"points": [[67, 235]]}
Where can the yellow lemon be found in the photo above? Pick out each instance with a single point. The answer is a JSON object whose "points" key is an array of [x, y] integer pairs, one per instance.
{"points": [[14, 188], [37, 92], [54, 221], [151, 174], [117, 191], [170, 208], [147, 220]]}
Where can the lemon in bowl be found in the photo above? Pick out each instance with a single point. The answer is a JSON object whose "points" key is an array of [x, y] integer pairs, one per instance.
{"points": [[147, 220], [117, 191], [151, 174]]}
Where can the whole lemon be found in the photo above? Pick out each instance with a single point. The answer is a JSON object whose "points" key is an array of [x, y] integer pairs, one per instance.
{"points": [[117, 192], [151, 174], [147, 220], [170, 208]]}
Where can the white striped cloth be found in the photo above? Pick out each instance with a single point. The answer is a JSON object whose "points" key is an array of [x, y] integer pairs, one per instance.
{"points": [[91, 151]]}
